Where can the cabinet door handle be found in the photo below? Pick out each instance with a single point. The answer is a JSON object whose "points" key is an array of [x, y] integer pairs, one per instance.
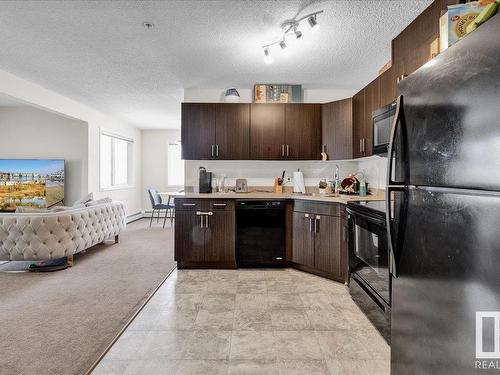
{"points": [[198, 213], [206, 221], [360, 145], [189, 204], [220, 204], [343, 233], [217, 150], [316, 224], [310, 225], [282, 151], [287, 150], [212, 151], [364, 145]]}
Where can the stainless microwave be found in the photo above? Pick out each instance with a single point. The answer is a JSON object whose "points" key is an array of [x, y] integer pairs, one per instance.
{"points": [[382, 119]]}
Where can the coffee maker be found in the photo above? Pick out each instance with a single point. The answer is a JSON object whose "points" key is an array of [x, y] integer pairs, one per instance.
{"points": [[205, 181]]}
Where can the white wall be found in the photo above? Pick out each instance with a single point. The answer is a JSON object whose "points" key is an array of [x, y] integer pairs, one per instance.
{"points": [[155, 161], [31, 133], [40, 97], [262, 173], [246, 95]]}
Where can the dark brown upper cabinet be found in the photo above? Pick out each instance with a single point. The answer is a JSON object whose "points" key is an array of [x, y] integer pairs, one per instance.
{"points": [[267, 131], [215, 131], [358, 124], [285, 131], [303, 131], [372, 102], [232, 131], [336, 129], [198, 131], [388, 86], [412, 47]]}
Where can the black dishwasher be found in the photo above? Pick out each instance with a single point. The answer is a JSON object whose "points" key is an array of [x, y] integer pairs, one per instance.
{"points": [[260, 233]]}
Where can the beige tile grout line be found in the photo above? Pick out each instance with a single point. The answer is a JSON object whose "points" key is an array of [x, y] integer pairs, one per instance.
{"points": [[99, 359]]}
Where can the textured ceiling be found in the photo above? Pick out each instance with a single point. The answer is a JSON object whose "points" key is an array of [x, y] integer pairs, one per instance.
{"points": [[98, 53]]}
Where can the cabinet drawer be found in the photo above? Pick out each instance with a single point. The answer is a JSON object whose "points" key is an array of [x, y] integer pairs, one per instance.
{"points": [[222, 204], [318, 208], [195, 204]]}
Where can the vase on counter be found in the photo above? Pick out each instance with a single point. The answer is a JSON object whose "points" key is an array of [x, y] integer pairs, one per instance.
{"points": [[232, 96]]}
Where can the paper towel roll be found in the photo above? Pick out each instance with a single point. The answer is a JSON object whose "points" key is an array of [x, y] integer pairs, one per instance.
{"points": [[298, 183]]}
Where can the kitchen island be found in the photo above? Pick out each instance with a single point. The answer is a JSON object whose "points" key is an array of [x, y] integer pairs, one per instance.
{"points": [[316, 230]]}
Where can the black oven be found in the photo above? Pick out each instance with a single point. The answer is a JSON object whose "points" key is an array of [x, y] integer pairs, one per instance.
{"points": [[369, 276], [382, 120]]}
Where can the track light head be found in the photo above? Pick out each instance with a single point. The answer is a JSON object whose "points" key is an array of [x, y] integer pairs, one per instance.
{"points": [[298, 33], [268, 59], [313, 22], [282, 44]]}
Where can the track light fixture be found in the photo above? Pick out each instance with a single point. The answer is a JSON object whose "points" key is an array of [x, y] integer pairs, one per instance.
{"points": [[268, 59], [288, 27]]}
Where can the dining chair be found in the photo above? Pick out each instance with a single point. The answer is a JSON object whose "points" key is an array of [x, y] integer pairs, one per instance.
{"points": [[157, 204]]}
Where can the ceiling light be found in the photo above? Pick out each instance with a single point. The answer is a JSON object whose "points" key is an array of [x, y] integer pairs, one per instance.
{"points": [[313, 23], [290, 29], [298, 33], [268, 59], [148, 25]]}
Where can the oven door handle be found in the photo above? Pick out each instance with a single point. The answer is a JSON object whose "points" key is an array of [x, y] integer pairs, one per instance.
{"points": [[380, 222]]}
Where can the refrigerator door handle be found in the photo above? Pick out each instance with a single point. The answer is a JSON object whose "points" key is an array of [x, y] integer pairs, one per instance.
{"points": [[392, 242], [398, 120]]}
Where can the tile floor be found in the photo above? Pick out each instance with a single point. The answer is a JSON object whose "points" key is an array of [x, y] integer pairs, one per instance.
{"points": [[249, 322]]}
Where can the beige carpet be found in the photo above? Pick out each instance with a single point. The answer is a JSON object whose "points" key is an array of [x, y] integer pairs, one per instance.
{"points": [[60, 322]]}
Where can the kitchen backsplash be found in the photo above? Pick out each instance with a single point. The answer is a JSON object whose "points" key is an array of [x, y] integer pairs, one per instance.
{"points": [[375, 170], [262, 173]]}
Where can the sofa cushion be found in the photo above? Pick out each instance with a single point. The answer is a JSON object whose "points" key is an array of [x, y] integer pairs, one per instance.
{"points": [[67, 208], [89, 197], [98, 202], [29, 209]]}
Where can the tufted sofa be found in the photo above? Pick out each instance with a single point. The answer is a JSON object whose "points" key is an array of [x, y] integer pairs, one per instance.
{"points": [[52, 235]]}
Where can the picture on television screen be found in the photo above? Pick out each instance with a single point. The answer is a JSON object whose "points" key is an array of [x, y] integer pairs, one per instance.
{"points": [[31, 182]]}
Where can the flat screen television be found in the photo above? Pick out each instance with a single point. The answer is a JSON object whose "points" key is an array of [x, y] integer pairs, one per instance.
{"points": [[31, 182]]}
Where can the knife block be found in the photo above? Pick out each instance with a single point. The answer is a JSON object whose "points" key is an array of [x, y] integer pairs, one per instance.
{"points": [[278, 189]]}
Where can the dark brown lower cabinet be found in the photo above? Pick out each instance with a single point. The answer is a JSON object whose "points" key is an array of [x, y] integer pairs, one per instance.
{"points": [[327, 244], [204, 235], [303, 239], [318, 243], [220, 237]]}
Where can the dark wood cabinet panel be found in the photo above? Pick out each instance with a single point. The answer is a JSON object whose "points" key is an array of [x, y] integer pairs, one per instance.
{"points": [[327, 246], [267, 131], [303, 131], [205, 241], [412, 47], [388, 86], [358, 123], [344, 250], [336, 129], [232, 131], [372, 102], [303, 240], [198, 130], [189, 237], [220, 237]]}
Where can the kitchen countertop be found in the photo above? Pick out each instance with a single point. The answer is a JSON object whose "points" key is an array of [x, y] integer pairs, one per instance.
{"points": [[377, 195]]}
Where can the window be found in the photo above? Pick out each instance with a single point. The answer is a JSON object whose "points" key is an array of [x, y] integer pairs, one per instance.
{"points": [[116, 161], [175, 165]]}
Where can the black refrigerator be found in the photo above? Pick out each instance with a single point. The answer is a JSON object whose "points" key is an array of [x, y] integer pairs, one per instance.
{"points": [[443, 198]]}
